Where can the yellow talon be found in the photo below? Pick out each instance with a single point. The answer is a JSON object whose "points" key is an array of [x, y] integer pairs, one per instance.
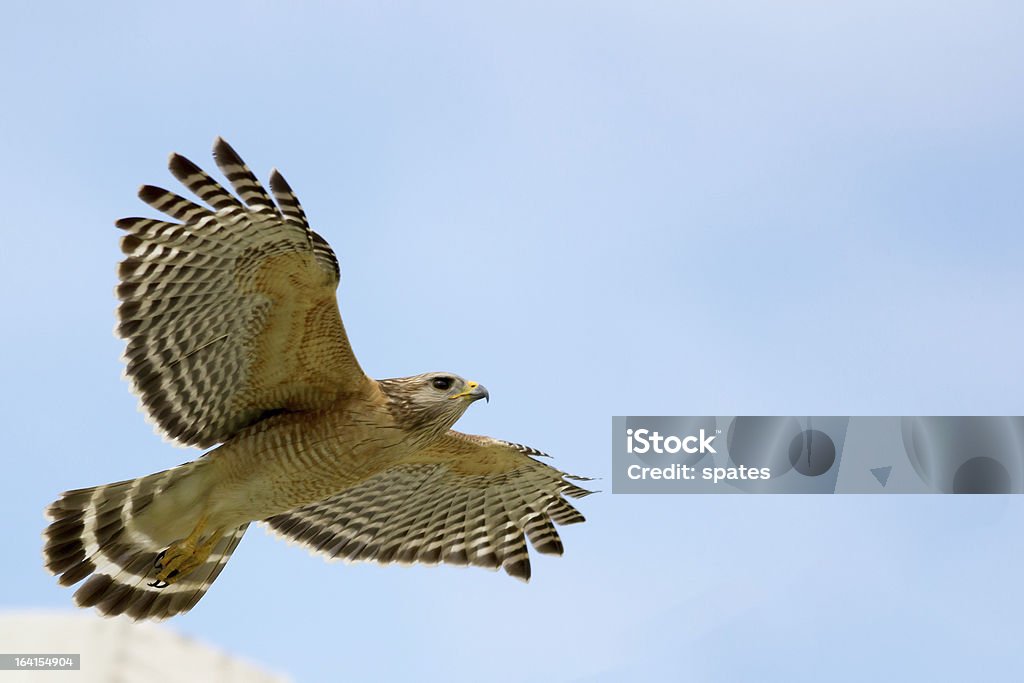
{"points": [[183, 556]]}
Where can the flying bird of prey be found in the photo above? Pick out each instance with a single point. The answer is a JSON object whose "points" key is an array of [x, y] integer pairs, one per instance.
{"points": [[233, 337]]}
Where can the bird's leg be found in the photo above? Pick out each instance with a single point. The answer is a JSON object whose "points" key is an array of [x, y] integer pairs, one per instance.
{"points": [[181, 557]]}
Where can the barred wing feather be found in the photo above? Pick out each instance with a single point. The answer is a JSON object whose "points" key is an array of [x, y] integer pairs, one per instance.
{"points": [[464, 500], [230, 313]]}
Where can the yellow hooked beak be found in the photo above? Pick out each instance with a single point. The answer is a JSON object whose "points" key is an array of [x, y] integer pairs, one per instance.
{"points": [[473, 391]]}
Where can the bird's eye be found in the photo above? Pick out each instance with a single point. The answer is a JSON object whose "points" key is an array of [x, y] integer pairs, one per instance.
{"points": [[442, 383]]}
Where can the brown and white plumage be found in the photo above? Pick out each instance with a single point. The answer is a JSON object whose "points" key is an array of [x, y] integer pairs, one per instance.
{"points": [[94, 534], [231, 313], [464, 500], [233, 337]]}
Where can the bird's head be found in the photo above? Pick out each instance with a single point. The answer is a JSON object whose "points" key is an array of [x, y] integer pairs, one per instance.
{"points": [[433, 401]]}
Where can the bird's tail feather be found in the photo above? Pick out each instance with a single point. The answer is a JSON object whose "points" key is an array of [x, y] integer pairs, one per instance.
{"points": [[94, 533]]}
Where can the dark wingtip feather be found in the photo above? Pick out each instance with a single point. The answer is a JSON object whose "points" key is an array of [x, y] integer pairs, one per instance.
{"points": [[223, 154], [520, 569], [128, 223], [241, 178], [221, 148], [181, 166], [278, 183], [150, 193], [574, 491]]}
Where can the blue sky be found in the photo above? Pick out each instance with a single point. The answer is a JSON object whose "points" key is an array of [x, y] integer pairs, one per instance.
{"points": [[594, 209]]}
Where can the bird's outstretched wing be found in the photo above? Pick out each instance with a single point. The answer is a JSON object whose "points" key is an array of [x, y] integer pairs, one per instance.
{"points": [[229, 313], [462, 500]]}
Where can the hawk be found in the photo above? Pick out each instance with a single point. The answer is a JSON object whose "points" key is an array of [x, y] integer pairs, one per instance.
{"points": [[233, 337]]}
